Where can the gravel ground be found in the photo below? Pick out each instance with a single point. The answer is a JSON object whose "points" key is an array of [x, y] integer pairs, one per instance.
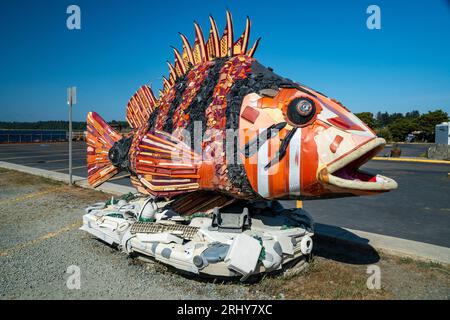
{"points": [[40, 240]]}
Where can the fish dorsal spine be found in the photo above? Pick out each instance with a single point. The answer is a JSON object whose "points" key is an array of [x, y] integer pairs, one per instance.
{"points": [[144, 102], [202, 51]]}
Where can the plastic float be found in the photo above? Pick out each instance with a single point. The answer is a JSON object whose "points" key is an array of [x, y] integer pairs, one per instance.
{"points": [[234, 241]]}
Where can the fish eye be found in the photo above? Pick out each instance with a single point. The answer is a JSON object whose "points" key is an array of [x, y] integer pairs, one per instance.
{"points": [[301, 111]]}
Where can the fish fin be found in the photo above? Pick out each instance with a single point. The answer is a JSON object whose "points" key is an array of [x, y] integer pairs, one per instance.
{"points": [[100, 139], [140, 107], [138, 185], [199, 201], [212, 45], [202, 51], [240, 46], [252, 50], [226, 42], [199, 50], [166, 166]]}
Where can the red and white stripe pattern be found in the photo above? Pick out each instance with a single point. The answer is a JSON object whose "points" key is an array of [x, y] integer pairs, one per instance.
{"points": [[282, 178]]}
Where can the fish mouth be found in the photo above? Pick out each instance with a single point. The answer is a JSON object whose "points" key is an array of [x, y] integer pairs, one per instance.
{"points": [[345, 172]]}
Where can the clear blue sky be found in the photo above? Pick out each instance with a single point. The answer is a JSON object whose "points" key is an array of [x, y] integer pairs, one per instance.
{"points": [[124, 44]]}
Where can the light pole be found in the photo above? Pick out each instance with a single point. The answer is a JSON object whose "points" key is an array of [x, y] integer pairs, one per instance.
{"points": [[71, 100]]}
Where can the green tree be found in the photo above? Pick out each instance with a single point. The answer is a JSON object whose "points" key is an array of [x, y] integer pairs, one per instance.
{"points": [[401, 128], [384, 133], [412, 115], [382, 119], [367, 118], [428, 121]]}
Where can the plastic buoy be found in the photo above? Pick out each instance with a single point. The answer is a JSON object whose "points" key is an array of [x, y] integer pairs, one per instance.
{"points": [[306, 245]]}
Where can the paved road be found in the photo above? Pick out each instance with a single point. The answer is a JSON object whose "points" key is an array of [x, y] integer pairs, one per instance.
{"points": [[419, 210], [409, 149]]}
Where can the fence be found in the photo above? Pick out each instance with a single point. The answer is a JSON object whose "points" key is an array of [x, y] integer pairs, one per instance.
{"points": [[27, 136]]}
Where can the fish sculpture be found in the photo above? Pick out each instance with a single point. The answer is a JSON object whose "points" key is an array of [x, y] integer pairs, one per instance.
{"points": [[224, 127]]}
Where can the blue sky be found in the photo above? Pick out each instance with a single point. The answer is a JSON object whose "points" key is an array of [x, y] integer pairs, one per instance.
{"points": [[124, 44]]}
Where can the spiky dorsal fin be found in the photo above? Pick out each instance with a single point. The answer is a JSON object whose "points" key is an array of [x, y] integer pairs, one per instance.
{"points": [[226, 42], [173, 74], [240, 46], [180, 66], [187, 56], [140, 107], [200, 54], [214, 47], [166, 85], [251, 52]]}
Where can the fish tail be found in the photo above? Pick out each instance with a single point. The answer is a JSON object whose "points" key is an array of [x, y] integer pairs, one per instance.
{"points": [[100, 139]]}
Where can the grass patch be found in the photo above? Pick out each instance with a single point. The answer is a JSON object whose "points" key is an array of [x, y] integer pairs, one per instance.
{"points": [[12, 178], [323, 279]]}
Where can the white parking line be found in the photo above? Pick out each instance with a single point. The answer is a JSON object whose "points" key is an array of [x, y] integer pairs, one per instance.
{"points": [[53, 161], [67, 169], [40, 156]]}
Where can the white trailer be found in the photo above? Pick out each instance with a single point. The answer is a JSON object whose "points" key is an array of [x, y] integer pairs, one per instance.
{"points": [[442, 133]]}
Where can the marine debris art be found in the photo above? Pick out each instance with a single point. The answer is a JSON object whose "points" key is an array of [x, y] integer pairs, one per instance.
{"points": [[226, 139]]}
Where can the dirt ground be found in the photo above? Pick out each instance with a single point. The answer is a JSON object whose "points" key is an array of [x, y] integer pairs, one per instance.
{"points": [[40, 240]]}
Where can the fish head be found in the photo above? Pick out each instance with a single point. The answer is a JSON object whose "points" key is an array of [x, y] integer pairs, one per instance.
{"points": [[317, 152]]}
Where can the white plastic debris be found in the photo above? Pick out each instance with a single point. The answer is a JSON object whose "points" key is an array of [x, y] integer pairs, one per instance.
{"points": [[96, 207], [243, 254], [107, 233], [110, 223], [306, 245], [273, 255], [164, 237], [148, 209], [201, 222], [286, 244], [214, 236], [209, 250], [166, 214], [175, 256], [123, 226]]}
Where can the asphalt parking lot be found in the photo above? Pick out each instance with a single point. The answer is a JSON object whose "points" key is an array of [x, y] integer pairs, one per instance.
{"points": [[419, 210]]}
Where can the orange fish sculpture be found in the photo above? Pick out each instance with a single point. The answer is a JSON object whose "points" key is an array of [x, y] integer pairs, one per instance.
{"points": [[225, 127]]}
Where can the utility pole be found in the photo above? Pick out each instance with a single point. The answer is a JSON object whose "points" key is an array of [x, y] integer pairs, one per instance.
{"points": [[71, 100]]}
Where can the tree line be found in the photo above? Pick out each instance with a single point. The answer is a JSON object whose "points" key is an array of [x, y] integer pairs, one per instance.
{"points": [[55, 125], [391, 126], [396, 126]]}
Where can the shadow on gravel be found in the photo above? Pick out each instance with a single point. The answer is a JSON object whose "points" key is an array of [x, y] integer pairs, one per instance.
{"points": [[349, 248]]}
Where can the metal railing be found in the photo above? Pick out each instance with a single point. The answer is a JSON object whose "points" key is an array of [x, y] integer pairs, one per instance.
{"points": [[31, 137], [45, 136]]}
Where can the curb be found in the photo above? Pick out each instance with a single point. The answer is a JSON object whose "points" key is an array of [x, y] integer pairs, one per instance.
{"points": [[349, 237], [396, 246], [107, 187], [411, 160]]}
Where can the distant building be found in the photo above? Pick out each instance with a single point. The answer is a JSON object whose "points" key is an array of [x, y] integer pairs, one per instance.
{"points": [[442, 133]]}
